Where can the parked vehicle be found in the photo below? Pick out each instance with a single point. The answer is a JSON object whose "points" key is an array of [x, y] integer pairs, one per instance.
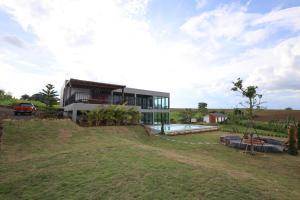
{"points": [[25, 108]]}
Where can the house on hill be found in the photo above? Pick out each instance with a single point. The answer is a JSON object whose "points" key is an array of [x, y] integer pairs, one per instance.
{"points": [[214, 118], [78, 96]]}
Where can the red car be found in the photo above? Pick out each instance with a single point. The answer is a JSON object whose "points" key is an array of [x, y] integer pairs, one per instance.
{"points": [[24, 108]]}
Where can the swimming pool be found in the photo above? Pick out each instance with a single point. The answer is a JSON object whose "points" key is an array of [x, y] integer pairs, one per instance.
{"points": [[174, 129]]}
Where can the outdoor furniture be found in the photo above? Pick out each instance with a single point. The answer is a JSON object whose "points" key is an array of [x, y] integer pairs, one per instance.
{"points": [[260, 145]]}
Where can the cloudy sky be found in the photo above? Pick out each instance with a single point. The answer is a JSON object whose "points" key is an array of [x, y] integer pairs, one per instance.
{"points": [[193, 49]]}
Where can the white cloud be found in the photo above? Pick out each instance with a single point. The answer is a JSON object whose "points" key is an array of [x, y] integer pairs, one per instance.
{"points": [[104, 41], [277, 68], [235, 24], [201, 3], [228, 22], [285, 18], [111, 41]]}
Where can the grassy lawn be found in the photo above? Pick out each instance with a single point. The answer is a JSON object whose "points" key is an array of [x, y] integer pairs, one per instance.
{"points": [[52, 159]]}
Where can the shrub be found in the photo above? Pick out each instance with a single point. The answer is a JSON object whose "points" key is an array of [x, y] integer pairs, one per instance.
{"points": [[113, 115]]}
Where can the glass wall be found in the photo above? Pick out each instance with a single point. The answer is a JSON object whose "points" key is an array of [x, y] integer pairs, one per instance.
{"points": [[117, 98], [128, 98], [147, 118], [146, 102], [159, 117], [161, 102], [157, 102]]}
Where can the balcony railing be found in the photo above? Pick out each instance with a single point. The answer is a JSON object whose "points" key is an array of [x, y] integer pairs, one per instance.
{"points": [[81, 97]]}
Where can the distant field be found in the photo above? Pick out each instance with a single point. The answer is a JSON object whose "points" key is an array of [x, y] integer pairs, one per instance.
{"points": [[261, 115], [56, 159]]}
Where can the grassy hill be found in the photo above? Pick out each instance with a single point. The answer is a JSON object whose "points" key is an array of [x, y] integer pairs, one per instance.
{"points": [[56, 159]]}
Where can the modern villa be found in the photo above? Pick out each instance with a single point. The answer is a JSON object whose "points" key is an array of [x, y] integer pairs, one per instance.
{"points": [[80, 95]]}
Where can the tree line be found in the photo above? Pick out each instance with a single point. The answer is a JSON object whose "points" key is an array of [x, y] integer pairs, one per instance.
{"points": [[48, 96]]}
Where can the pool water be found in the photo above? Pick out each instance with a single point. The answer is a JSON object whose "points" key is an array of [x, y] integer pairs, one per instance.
{"points": [[169, 128]]}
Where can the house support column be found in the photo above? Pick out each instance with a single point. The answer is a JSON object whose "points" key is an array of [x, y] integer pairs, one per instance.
{"points": [[74, 115], [153, 113]]}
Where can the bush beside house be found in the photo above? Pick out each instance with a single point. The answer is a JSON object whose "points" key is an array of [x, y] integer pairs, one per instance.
{"points": [[112, 115]]}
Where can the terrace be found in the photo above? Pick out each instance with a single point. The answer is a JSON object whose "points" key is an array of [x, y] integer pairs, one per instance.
{"points": [[79, 91]]}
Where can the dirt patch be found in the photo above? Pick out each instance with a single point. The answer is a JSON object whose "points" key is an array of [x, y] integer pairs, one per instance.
{"points": [[64, 135], [268, 115]]}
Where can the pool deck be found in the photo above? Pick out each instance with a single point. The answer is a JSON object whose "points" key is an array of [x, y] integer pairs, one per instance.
{"points": [[183, 132]]}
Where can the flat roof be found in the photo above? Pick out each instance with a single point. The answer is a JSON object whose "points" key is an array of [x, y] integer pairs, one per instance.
{"points": [[83, 83], [144, 92]]}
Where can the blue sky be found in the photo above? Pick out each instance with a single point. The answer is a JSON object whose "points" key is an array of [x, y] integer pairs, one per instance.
{"points": [[193, 49]]}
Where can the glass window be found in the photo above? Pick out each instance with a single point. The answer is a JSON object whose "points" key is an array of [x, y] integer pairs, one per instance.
{"points": [[161, 102], [159, 117], [129, 99], [167, 102], [164, 103], [157, 103], [150, 102], [144, 103], [147, 118], [138, 101], [117, 99]]}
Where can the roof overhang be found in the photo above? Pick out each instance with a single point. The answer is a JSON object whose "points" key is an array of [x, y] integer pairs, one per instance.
{"points": [[88, 84]]}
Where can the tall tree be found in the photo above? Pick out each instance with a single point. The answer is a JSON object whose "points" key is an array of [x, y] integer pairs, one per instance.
{"points": [[250, 92], [253, 101], [49, 95], [202, 107]]}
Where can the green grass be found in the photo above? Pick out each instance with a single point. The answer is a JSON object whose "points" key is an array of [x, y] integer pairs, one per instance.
{"points": [[56, 159]]}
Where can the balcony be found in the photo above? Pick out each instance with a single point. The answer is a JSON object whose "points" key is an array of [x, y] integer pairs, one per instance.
{"points": [[81, 97]]}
